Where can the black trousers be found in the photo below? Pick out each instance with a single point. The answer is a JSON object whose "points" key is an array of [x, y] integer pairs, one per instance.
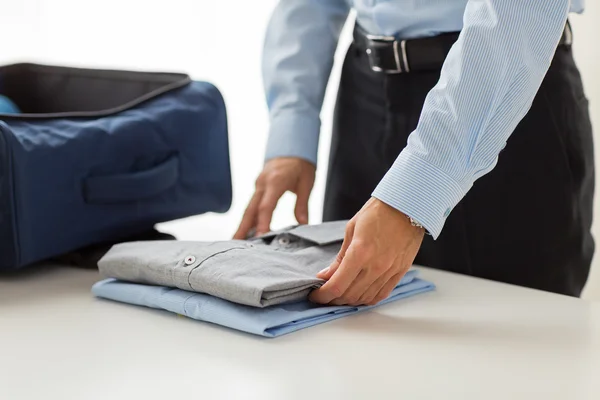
{"points": [[527, 222]]}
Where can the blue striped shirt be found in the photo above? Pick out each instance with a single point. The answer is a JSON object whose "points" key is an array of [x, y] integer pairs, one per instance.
{"points": [[487, 85]]}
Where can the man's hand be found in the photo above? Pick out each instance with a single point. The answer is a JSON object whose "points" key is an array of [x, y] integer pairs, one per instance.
{"points": [[379, 247], [278, 176]]}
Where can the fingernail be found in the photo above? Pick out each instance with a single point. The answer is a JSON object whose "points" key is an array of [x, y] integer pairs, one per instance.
{"points": [[324, 271]]}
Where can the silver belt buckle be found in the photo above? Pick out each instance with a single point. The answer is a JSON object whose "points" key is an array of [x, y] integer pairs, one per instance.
{"points": [[400, 56]]}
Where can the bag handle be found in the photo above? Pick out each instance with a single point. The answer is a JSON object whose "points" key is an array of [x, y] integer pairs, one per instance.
{"points": [[132, 186]]}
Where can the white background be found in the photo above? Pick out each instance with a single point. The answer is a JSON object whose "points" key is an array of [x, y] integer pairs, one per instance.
{"points": [[219, 41]]}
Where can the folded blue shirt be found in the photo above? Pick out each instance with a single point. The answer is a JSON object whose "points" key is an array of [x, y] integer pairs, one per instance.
{"points": [[269, 322]]}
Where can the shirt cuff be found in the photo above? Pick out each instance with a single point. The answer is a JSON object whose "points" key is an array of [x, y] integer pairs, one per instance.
{"points": [[421, 191], [294, 136]]}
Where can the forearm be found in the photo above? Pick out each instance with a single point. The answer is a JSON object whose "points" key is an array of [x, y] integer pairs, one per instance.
{"points": [[487, 85], [298, 55]]}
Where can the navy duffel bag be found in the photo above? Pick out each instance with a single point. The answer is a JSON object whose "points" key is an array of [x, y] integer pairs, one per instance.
{"points": [[99, 155]]}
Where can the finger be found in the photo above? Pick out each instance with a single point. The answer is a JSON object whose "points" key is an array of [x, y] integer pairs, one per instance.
{"points": [[249, 217], [265, 210], [341, 280], [302, 196], [368, 276], [387, 289], [328, 272], [346, 299], [376, 287]]}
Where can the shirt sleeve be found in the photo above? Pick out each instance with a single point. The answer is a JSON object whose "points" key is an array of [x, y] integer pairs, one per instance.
{"points": [[298, 55], [487, 85]]}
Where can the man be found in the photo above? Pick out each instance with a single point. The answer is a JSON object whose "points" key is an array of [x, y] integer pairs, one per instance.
{"points": [[423, 113]]}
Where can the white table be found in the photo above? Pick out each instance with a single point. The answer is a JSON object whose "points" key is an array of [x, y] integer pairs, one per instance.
{"points": [[471, 339]]}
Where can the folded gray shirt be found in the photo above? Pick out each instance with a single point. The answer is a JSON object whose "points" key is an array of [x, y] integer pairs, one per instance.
{"points": [[275, 268]]}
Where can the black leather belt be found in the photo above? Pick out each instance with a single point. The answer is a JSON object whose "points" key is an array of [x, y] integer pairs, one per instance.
{"points": [[389, 55]]}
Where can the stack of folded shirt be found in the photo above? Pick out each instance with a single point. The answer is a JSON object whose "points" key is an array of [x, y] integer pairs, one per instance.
{"points": [[259, 286]]}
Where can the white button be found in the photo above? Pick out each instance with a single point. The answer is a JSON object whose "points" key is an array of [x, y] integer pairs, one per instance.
{"points": [[284, 241], [189, 260]]}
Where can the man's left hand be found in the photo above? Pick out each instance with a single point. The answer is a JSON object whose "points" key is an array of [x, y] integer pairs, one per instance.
{"points": [[379, 247]]}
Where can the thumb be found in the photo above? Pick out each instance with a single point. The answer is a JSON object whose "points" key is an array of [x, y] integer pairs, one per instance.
{"points": [[302, 196]]}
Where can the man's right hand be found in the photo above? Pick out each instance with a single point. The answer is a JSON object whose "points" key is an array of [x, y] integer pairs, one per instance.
{"points": [[278, 176]]}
